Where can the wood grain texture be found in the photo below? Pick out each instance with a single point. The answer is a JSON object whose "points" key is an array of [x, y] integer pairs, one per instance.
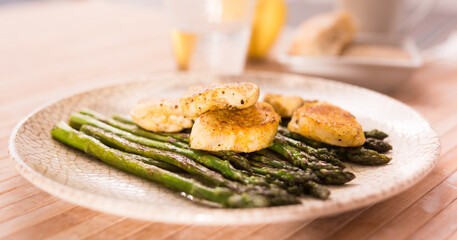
{"points": [[378, 215], [422, 211], [55, 49]]}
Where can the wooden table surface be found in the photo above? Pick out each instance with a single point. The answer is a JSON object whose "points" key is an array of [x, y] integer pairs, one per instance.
{"points": [[49, 50]]}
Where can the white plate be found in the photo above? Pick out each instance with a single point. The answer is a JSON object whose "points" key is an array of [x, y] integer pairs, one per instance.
{"points": [[77, 178], [377, 74]]}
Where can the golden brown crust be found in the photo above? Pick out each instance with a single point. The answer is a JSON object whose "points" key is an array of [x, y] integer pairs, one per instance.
{"points": [[244, 130], [257, 115], [226, 96], [160, 115], [328, 114], [327, 123]]}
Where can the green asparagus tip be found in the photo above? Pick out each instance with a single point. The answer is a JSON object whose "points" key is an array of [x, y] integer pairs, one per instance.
{"points": [[377, 145], [375, 133], [247, 200]]}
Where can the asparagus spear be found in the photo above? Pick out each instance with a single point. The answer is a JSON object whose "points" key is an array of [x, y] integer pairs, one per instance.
{"points": [[299, 158], [322, 153], [209, 161], [281, 164], [295, 189], [123, 119], [181, 140], [308, 187], [235, 159], [232, 157], [132, 128], [364, 156], [130, 163], [183, 162], [285, 132], [379, 146], [212, 162], [376, 134], [272, 162], [334, 177], [183, 137], [178, 160], [290, 177], [358, 155], [327, 173], [316, 190]]}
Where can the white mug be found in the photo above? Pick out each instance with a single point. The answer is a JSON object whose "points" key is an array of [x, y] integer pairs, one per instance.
{"points": [[385, 16]]}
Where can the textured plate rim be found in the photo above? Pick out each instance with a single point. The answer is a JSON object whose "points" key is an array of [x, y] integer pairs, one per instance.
{"points": [[121, 207]]}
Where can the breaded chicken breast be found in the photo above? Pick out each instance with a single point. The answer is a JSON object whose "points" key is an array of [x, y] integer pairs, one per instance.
{"points": [[327, 123], [226, 96], [160, 115], [244, 130]]}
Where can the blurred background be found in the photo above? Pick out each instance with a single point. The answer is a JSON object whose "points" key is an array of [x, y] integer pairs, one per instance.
{"points": [[46, 32], [440, 23]]}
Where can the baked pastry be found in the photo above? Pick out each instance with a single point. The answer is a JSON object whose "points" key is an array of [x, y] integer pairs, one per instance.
{"points": [[324, 35]]}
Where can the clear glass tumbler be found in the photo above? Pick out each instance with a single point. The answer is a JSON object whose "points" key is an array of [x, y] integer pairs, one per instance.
{"points": [[211, 35]]}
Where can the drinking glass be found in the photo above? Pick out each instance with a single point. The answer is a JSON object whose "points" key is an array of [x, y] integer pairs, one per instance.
{"points": [[211, 35]]}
